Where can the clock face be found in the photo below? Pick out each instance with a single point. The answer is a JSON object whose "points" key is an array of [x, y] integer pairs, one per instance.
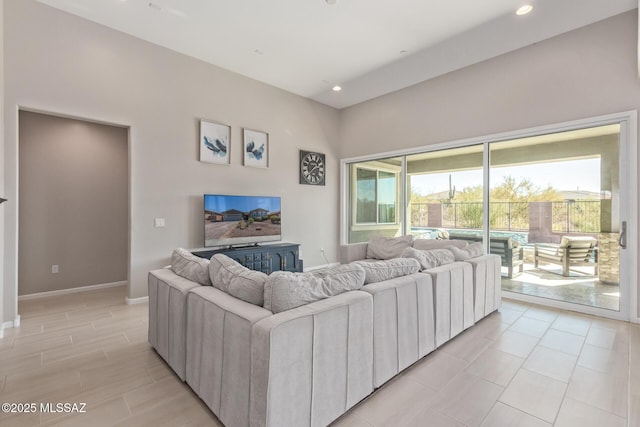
{"points": [[312, 168]]}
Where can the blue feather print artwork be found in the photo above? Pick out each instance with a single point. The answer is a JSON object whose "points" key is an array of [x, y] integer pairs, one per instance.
{"points": [[219, 147], [256, 153], [256, 148], [214, 143]]}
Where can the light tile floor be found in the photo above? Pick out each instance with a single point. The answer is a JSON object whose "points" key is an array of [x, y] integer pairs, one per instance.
{"points": [[523, 366]]}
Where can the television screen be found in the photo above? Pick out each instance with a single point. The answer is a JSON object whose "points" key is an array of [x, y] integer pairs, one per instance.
{"points": [[236, 220]]}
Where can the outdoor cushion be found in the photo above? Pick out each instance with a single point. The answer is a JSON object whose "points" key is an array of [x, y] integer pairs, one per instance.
{"points": [[379, 271], [237, 280], [190, 266], [431, 258], [285, 290], [387, 247]]}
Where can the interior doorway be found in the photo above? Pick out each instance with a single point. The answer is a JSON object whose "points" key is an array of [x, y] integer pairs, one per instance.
{"points": [[73, 204]]}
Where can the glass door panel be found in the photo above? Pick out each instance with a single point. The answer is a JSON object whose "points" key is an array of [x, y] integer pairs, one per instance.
{"points": [[444, 193], [554, 215]]}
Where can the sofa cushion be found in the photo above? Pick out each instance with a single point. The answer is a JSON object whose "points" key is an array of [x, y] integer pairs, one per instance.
{"points": [[237, 280], [379, 271], [430, 258], [191, 267], [285, 290], [387, 247], [427, 244], [473, 250]]}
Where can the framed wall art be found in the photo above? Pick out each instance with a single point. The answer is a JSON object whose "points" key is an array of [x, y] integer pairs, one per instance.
{"points": [[256, 148], [215, 143]]}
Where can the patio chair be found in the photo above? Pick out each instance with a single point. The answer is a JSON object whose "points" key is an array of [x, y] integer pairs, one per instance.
{"points": [[510, 251], [572, 251]]}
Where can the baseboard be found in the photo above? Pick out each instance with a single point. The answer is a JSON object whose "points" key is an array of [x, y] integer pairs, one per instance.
{"points": [[15, 323], [318, 267], [70, 291], [132, 301]]}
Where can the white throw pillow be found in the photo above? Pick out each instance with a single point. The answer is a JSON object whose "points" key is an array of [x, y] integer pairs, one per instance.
{"points": [[379, 271], [387, 247], [285, 290], [190, 266], [431, 258], [428, 244], [237, 280], [472, 251]]}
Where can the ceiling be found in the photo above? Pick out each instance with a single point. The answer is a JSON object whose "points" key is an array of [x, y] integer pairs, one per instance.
{"points": [[368, 47]]}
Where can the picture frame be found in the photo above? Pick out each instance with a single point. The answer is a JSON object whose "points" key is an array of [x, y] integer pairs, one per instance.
{"points": [[256, 148], [215, 142]]}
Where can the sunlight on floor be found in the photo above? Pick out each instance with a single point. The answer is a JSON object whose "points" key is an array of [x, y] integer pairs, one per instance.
{"points": [[581, 287]]}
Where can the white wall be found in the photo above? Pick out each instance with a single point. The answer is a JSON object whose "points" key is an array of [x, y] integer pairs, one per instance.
{"points": [[63, 64], [585, 73], [2, 156]]}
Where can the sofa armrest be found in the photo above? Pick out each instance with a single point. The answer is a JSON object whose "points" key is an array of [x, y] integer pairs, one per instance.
{"points": [[353, 252], [218, 362], [312, 363], [167, 316]]}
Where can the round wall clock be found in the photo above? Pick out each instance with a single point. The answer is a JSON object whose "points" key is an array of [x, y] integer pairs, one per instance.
{"points": [[312, 168]]}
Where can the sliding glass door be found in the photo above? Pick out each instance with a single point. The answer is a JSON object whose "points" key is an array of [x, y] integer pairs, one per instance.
{"points": [[445, 193], [556, 197], [557, 206]]}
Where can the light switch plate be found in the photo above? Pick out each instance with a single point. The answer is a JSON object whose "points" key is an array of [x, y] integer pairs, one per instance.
{"points": [[159, 222]]}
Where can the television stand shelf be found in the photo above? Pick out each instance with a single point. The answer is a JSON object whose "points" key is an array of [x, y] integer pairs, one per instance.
{"points": [[265, 258]]}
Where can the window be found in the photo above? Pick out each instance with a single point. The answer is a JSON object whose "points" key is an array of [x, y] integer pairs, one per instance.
{"points": [[376, 196]]}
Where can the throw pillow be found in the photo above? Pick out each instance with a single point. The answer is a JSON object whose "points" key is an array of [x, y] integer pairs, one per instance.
{"points": [[379, 271], [472, 251], [431, 258], [237, 280], [190, 266], [428, 244], [285, 290], [387, 247]]}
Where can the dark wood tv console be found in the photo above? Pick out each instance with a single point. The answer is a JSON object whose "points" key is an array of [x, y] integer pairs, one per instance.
{"points": [[265, 258]]}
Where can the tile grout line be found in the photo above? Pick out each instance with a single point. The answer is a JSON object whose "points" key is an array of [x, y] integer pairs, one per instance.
{"points": [[564, 395]]}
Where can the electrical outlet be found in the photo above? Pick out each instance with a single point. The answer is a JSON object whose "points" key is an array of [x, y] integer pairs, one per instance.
{"points": [[55, 269]]}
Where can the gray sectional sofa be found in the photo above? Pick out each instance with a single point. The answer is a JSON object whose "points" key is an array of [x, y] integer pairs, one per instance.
{"points": [[309, 364]]}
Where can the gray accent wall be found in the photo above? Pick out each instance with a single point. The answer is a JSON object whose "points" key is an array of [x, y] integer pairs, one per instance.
{"points": [[73, 209]]}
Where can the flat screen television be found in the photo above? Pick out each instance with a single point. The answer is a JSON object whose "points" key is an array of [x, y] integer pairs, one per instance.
{"points": [[240, 220]]}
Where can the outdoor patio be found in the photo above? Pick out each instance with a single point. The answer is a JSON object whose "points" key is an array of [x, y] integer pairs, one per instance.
{"points": [[581, 287], [545, 225]]}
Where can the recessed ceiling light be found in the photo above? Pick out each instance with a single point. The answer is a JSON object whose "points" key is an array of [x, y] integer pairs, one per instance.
{"points": [[523, 10], [337, 88]]}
